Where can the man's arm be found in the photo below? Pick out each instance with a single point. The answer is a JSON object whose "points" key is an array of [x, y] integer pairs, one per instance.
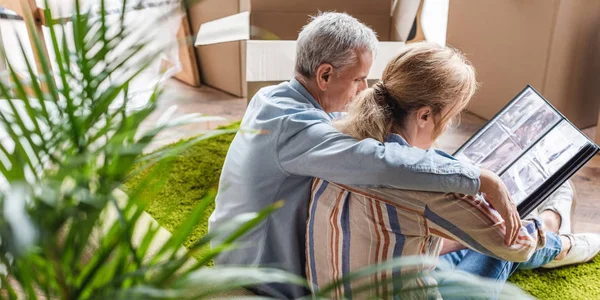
{"points": [[314, 148], [307, 145]]}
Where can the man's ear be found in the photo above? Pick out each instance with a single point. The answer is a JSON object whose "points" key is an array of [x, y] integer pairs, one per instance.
{"points": [[324, 73], [424, 115]]}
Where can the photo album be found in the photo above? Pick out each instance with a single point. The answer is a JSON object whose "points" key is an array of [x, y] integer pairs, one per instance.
{"points": [[531, 146]]}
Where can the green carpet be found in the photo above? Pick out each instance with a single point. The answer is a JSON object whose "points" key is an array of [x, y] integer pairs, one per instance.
{"points": [[575, 282], [197, 170], [188, 179]]}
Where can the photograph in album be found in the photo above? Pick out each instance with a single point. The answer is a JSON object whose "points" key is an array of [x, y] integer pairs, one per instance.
{"points": [[531, 146]]}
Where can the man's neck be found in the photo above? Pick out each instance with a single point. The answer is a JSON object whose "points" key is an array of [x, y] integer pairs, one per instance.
{"points": [[311, 87]]}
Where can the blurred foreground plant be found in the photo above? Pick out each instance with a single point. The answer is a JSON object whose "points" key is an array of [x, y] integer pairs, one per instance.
{"points": [[71, 139]]}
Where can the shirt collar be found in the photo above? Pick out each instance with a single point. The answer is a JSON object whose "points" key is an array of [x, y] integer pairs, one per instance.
{"points": [[296, 85], [396, 138]]}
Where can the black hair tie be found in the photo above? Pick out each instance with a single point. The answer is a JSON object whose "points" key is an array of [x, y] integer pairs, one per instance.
{"points": [[393, 107]]}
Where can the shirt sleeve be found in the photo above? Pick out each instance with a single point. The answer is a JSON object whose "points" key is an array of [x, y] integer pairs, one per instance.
{"points": [[308, 146], [471, 221]]}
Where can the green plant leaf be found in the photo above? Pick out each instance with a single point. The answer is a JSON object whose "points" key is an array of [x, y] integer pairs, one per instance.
{"points": [[392, 264], [207, 282]]}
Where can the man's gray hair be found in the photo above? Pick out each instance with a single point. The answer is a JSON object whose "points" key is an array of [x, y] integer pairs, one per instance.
{"points": [[332, 38]]}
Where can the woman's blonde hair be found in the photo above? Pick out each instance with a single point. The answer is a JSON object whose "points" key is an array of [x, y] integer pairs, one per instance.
{"points": [[424, 74]]}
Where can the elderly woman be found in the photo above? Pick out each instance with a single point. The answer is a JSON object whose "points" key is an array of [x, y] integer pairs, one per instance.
{"points": [[422, 90]]}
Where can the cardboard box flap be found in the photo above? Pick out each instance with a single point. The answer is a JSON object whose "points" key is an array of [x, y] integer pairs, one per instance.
{"points": [[262, 55], [228, 29], [270, 60]]}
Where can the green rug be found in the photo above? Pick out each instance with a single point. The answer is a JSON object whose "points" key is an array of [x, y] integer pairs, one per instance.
{"points": [[197, 171], [192, 174]]}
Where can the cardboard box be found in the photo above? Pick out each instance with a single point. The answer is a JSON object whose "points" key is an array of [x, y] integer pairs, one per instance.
{"points": [[243, 45], [553, 45]]}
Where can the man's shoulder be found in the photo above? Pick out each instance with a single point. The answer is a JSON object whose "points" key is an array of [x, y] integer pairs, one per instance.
{"points": [[283, 94], [283, 101]]}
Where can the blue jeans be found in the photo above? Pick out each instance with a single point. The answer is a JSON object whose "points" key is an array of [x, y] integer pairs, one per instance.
{"points": [[475, 263]]}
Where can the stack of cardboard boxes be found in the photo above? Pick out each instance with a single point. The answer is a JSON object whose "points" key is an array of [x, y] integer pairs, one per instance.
{"points": [[554, 45], [243, 45]]}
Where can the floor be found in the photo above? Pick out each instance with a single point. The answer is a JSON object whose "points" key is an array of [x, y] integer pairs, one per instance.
{"points": [[211, 102], [187, 100]]}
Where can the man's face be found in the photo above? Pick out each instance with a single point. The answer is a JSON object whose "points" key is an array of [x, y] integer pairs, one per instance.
{"points": [[345, 84]]}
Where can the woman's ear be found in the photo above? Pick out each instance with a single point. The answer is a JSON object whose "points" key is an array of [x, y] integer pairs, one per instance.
{"points": [[324, 73], [424, 116]]}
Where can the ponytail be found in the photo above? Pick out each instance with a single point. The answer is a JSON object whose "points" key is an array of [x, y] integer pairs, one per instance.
{"points": [[369, 115]]}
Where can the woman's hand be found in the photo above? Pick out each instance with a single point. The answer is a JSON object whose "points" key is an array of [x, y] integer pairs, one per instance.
{"points": [[497, 195]]}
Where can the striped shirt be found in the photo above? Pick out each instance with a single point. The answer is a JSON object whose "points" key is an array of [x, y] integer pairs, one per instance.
{"points": [[349, 228]]}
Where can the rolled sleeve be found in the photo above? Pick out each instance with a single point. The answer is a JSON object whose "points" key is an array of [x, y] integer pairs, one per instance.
{"points": [[471, 221]]}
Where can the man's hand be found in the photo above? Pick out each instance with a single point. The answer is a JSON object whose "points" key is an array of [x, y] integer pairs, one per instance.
{"points": [[496, 193]]}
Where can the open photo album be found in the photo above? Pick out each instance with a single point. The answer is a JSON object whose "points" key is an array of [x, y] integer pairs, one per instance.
{"points": [[531, 146]]}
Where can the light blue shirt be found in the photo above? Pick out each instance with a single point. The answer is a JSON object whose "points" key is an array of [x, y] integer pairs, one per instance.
{"points": [[298, 143]]}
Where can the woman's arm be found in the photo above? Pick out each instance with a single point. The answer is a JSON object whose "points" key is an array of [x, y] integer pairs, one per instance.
{"points": [[474, 223]]}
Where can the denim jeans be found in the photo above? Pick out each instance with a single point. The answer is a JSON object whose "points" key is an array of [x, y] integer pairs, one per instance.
{"points": [[475, 263]]}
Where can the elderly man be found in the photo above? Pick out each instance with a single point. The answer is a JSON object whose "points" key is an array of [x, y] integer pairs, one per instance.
{"points": [[334, 54]]}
